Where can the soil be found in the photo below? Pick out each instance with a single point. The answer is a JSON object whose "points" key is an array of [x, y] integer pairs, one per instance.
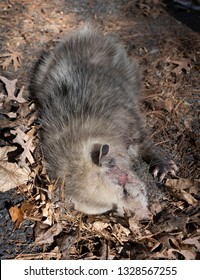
{"points": [[169, 54]]}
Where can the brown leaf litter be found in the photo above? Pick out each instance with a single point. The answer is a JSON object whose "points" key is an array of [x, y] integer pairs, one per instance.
{"points": [[14, 58], [171, 89]]}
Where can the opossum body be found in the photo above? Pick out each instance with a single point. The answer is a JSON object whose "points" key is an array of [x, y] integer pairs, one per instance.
{"points": [[88, 94]]}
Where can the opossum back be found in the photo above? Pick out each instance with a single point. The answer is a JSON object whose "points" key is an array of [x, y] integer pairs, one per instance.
{"points": [[82, 52]]}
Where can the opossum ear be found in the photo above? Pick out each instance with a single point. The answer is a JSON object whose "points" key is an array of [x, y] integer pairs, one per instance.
{"points": [[98, 152]]}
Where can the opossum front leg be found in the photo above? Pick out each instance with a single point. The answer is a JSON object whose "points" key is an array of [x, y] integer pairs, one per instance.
{"points": [[159, 165]]}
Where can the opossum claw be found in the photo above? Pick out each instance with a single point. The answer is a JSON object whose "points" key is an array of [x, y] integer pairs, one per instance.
{"points": [[163, 168]]}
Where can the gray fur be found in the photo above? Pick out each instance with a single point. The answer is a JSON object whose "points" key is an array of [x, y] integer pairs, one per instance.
{"points": [[88, 92]]}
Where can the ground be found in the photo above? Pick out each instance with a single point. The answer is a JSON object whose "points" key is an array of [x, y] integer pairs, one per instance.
{"points": [[168, 52]]}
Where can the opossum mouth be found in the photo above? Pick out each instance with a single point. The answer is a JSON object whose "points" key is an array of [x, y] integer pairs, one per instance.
{"points": [[118, 176], [122, 179]]}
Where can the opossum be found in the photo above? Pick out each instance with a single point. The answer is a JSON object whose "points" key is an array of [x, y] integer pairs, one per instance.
{"points": [[88, 92]]}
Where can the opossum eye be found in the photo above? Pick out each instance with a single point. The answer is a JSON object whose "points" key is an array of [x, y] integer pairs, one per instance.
{"points": [[98, 152]]}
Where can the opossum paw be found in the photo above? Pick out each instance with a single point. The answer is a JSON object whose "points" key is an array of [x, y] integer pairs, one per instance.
{"points": [[163, 168]]}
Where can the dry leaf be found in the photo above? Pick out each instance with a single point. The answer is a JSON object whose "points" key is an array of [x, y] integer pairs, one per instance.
{"points": [[66, 242], [10, 86], [7, 61], [11, 176], [120, 232], [169, 105], [28, 148], [193, 241], [12, 57], [17, 216], [134, 227], [53, 254], [15, 213], [26, 143], [188, 255], [11, 89], [48, 213], [5, 123], [182, 64], [46, 236], [124, 230], [99, 226], [4, 151], [12, 115], [165, 255], [26, 208], [25, 110], [177, 186]]}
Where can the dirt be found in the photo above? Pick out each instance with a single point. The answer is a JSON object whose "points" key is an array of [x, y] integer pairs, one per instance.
{"points": [[168, 52]]}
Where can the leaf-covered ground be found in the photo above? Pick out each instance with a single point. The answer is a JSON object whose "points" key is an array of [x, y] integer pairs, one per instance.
{"points": [[32, 226]]}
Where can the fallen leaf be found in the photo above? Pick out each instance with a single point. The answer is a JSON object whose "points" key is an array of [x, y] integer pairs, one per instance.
{"points": [[26, 154], [193, 241], [134, 227], [26, 142], [44, 235], [120, 232], [11, 175], [25, 110], [65, 242], [187, 254], [12, 57], [10, 86], [48, 213], [3, 152], [165, 255], [177, 186], [182, 64], [169, 105], [7, 61], [2, 98], [124, 230], [26, 208], [172, 223], [11, 89], [17, 216], [99, 226], [52, 255], [15, 213], [12, 115], [19, 97]]}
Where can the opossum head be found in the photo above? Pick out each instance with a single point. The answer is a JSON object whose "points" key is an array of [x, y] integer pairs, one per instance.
{"points": [[102, 180]]}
